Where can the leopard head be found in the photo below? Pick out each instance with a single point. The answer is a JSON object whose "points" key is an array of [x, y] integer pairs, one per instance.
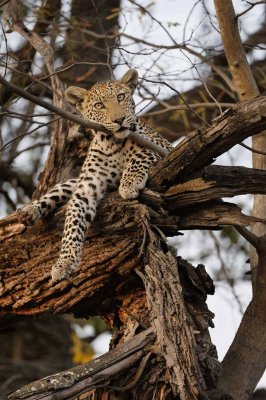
{"points": [[109, 103]]}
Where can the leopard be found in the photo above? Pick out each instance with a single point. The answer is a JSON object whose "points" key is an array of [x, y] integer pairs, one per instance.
{"points": [[113, 161]]}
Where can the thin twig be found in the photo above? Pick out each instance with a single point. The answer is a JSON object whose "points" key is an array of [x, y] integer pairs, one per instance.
{"points": [[27, 133], [169, 108], [249, 8], [182, 97], [251, 149]]}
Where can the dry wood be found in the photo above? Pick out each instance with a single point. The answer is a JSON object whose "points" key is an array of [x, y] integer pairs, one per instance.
{"points": [[109, 258], [115, 371], [213, 183], [203, 146], [117, 243], [172, 324], [110, 254], [97, 373]]}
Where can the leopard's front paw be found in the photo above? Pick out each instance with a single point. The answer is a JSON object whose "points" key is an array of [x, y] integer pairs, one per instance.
{"points": [[129, 189], [128, 192], [63, 269], [29, 214]]}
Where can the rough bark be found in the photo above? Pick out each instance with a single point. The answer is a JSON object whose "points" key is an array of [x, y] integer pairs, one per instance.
{"points": [[136, 368], [204, 145], [126, 236], [115, 219], [171, 322]]}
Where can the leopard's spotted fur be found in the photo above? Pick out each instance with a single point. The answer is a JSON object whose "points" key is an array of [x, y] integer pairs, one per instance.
{"points": [[113, 160]]}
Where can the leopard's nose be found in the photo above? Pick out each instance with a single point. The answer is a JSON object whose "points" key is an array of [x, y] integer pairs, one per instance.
{"points": [[119, 120]]}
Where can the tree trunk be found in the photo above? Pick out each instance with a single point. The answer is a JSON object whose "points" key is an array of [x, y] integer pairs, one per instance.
{"points": [[238, 361]]}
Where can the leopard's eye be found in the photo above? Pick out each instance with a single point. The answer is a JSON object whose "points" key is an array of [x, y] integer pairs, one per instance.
{"points": [[121, 96], [99, 106]]}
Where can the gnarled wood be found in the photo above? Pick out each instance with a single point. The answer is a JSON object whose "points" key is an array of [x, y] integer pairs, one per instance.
{"points": [[124, 237], [214, 182], [203, 146], [135, 368]]}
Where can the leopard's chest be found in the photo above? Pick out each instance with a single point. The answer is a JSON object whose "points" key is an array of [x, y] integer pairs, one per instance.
{"points": [[111, 153]]}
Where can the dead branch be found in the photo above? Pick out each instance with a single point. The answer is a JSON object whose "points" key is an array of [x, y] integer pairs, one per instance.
{"points": [[214, 182], [97, 373], [26, 268], [203, 146], [117, 243], [116, 366]]}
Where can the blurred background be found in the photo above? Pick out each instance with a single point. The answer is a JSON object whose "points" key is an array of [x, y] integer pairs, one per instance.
{"points": [[184, 84]]}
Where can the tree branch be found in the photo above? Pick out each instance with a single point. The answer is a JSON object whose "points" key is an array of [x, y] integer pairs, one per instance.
{"points": [[203, 146], [110, 256], [97, 373], [214, 182], [140, 139], [121, 253]]}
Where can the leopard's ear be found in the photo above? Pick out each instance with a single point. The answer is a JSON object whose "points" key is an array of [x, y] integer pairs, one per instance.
{"points": [[130, 78], [75, 94]]}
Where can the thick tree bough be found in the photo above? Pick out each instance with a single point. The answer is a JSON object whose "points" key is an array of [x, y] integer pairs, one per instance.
{"points": [[203, 146], [25, 267], [113, 248], [125, 237], [120, 370]]}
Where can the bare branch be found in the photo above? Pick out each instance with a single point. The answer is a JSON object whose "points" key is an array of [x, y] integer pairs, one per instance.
{"points": [[78, 120], [206, 144], [252, 5], [252, 239], [95, 374]]}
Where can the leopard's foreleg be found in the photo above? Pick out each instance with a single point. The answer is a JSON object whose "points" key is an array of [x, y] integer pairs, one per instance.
{"points": [[54, 199]]}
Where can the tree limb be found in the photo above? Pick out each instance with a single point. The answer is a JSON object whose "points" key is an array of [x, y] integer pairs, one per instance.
{"points": [[214, 182], [203, 146], [95, 374], [140, 139]]}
